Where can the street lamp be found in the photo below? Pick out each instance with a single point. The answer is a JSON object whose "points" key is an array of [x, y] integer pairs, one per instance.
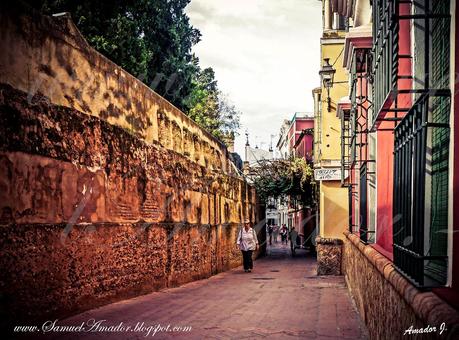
{"points": [[327, 74]]}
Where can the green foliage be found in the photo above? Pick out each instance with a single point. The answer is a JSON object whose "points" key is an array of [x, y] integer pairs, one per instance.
{"points": [[281, 178], [152, 39], [209, 107], [299, 169]]}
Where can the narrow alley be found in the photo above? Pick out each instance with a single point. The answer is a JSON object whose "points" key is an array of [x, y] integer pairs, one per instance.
{"points": [[282, 298], [151, 149]]}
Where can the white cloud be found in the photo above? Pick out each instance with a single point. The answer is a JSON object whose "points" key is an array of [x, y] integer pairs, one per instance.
{"points": [[266, 56]]}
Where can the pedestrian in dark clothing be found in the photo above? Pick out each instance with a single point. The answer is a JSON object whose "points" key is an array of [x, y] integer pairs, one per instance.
{"points": [[284, 234], [275, 232], [293, 239], [270, 233]]}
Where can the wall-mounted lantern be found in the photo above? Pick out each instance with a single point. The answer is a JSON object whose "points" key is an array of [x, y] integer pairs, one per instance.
{"points": [[327, 73]]}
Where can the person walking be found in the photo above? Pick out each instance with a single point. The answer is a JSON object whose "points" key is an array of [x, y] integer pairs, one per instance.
{"points": [[293, 240], [275, 232], [284, 234], [247, 242], [270, 233]]}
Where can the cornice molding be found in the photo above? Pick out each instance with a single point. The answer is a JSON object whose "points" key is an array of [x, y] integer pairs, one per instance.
{"points": [[357, 38]]}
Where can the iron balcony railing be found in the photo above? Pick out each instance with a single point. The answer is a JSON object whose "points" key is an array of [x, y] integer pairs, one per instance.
{"points": [[385, 52], [420, 182], [358, 142]]}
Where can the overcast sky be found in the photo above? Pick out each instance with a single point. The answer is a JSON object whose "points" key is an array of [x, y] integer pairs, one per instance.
{"points": [[266, 56]]}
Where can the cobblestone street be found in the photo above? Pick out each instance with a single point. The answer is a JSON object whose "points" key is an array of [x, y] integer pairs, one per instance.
{"points": [[281, 299]]}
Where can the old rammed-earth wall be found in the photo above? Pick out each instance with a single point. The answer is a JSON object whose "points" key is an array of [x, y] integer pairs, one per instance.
{"points": [[49, 55], [106, 190]]}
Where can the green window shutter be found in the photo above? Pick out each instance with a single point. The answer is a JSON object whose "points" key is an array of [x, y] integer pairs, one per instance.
{"points": [[440, 61]]}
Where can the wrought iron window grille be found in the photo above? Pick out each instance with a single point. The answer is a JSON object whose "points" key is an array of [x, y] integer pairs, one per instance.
{"points": [[355, 144], [415, 254], [421, 150], [387, 56]]}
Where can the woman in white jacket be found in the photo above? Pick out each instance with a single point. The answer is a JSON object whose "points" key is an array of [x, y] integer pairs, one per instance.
{"points": [[247, 241]]}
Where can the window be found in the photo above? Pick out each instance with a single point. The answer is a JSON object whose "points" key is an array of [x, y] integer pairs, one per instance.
{"points": [[345, 148], [385, 51], [421, 156], [339, 22], [371, 188], [360, 164], [439, 144]]}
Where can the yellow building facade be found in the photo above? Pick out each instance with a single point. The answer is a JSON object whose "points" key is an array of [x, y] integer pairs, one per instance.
{"points": [[333, 198]]}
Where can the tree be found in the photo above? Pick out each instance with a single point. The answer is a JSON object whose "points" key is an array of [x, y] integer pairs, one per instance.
{"points": [[229, 116], [280, 178], [203, 100], [209, 107]]}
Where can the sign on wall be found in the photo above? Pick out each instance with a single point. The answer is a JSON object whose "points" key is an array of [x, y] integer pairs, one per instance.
{"points": [[271, 214], [330, 174]]}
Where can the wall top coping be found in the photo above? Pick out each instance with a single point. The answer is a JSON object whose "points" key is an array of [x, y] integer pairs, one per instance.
{"points": [[329, 241], [59, 31]]}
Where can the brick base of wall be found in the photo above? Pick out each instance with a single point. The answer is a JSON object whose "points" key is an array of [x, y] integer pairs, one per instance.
{"points": [[387, 302], [49, 273], [328, 256]]}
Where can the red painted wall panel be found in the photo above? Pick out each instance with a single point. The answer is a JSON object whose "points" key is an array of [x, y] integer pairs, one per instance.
{"points": [[384, 185], [385, 144]]}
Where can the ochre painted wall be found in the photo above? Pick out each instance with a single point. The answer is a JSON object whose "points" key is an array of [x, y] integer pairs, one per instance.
{"points": [[334, 215], [333, 209], [331, 124]]}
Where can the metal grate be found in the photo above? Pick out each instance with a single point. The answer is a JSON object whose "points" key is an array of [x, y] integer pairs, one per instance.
{"points": [[439, 143], [385, 51], [421, 153], [345, 148], [419, 252], [358, 144], [363, 228]]}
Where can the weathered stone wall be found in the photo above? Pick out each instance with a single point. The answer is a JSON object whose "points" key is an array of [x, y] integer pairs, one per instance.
{"points": [[329, 254], [96, 208], [92, 214], [387, 302], [48, 55]]}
